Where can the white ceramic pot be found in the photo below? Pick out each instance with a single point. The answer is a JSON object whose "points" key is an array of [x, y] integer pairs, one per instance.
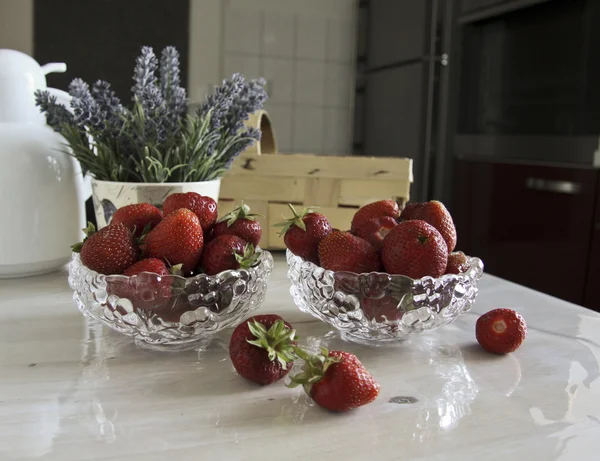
{"points": [[109, 196]]}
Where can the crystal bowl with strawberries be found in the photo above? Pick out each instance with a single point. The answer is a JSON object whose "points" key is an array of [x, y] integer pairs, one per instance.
{"points": [[393, 274], [171, 278]]}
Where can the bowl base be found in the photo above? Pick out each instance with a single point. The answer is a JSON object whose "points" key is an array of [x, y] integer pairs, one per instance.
{"points": [[375, 341], [196, 345]]}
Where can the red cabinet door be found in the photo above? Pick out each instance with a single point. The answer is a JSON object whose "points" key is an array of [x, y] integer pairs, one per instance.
{"points": [[530, 224]]}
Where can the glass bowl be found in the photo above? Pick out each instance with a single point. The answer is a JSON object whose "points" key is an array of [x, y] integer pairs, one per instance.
{"points": [[170, 312], [378, 308]]}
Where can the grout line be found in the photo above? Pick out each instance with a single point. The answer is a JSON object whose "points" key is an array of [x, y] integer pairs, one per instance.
{"points": [[294, 83]]}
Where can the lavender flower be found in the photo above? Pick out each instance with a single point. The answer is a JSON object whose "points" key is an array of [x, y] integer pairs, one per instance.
{"points": [[247, 139], [85, 108], [169, 70], [56, 114], [144, 72], [108, 102]]}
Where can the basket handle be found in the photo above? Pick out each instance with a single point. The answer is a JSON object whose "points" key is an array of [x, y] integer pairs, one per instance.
{"points": [[268, 142]]}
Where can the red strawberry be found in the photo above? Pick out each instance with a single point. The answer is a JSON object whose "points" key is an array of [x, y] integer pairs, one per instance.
{"points": [[415, 249], [501, 331], [204, 207], [457, 262], [227, 252], [111, 250], [436, 214], [382, 309], [177, 239], [375, 230], [374, 210], [302, 233], [261, 348], [410, 209], [342, 251], [336, 380], [156, 266], [136, 217], [239, 222]]}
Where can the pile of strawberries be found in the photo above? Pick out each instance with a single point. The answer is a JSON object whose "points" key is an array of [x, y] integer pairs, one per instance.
{"points": [[185, 238], [263, 350], [417, 241]]}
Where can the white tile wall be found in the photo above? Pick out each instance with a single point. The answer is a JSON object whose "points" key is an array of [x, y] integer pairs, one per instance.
{"points": [[305, 51], [337, 133], [282, 117], [278, 34], [247, 65], [339, 86], [310, 82], [311, 37], [308, 130], [242, 30], [279, 74]]}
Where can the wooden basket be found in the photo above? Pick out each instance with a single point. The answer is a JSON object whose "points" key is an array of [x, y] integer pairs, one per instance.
{"points": [[337, 185]]}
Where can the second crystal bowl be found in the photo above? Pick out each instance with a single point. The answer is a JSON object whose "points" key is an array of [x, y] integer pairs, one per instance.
{"points": [[379, 308], [170, 312]]}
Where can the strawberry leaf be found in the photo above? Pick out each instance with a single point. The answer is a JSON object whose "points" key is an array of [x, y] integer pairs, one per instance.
{"points": [[278, 341], [241, 212]]}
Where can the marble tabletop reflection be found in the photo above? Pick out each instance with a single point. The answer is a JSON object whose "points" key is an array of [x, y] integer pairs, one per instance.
{"points": [[71, 389]]}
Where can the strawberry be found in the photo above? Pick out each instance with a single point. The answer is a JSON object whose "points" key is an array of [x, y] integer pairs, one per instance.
{"points": [[177, 239], [111, 250], [436, 214], [342, 251], [375, 230], [138, 218], [336, 380], [156, 266], [261, 348], [501, 331], [374, 210], [227, 252], [457, 262], [239, 222], [415, 249], [303, 232], [382, 309], [409, 210], [204, 207]]}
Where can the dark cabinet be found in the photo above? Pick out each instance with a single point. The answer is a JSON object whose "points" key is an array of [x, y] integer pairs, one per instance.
{"points": [[397, 31], [592, 289], [530, 224], [468, 6]]}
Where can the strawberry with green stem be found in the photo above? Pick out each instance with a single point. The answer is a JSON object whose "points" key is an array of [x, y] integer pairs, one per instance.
{"points": [[335, 380], [303, 232], [228, 252], [262, 348], [108, 251], [240, 222]]}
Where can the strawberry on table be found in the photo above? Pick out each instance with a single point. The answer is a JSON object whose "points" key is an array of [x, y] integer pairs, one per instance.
{"points": [[204, 207], [436, 214], [177, 239], [227, 252], [303, 232], [336, 380], [342, 251], [501, 331], [111, 250], [374, 210], [261, 348], [415, 249], [139, 217], [458, 262], [239, 222], [375, 230]]}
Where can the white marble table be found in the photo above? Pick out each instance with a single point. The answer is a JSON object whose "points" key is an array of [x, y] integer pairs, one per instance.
{"points": [[71, 390]]}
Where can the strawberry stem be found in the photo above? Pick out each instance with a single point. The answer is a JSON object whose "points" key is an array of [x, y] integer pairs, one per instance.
{"points": [[88, 231], [278, 341], [248, 258], [296, 220], [241, 212]]}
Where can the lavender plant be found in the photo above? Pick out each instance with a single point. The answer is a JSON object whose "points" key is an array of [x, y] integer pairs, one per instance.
{"points": [[156, 140]]}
